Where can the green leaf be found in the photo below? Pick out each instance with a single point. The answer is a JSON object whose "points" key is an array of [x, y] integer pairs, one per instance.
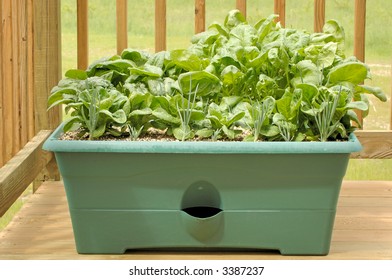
{"points": [[158, 59], [353, 116], [376, 91], [205, 132], [307, 73], [245, 35], [230, 133], [230, 75], [233, 19], [264, 26], [359, 105], [353, 72], [183, 133], [187, 60], [147, 70], [106, 103], [234, 118], [76, 74], [269, 130], [143, 112], [322, 55], [99, 131], [230, 101], [309, 92], [222, 30], [215, 121], [62, 96], [137, 56], [337, 31], [69, 123], [289, 105], [164, 116], [206, 83], [119, 116]]}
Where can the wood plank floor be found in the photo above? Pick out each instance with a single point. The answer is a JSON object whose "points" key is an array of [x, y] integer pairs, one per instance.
{"points": [[363, 229]]}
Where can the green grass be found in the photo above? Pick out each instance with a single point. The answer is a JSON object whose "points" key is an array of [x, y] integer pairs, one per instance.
{"points": [[7, 217]]}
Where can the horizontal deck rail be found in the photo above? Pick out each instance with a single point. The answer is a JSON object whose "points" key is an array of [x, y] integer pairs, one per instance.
{"points": [[19, 172]]}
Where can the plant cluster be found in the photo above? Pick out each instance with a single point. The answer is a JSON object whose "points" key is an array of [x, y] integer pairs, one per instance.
{"points": [[264, 82]]}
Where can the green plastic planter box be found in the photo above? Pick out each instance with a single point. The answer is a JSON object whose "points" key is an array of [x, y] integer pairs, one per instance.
{"points": [[202, 195]]}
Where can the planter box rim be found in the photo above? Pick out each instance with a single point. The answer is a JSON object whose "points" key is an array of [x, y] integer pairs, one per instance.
{"points": [[200, 147]]}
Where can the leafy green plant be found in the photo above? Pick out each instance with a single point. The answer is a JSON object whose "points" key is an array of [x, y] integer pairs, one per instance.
{"points": [[184, 131], [263, 81]]}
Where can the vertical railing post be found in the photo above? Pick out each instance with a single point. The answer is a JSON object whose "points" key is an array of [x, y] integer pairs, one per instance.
{"points": [[122, 25], [319, 15], [390, 104], [160, 25], [82, 33], [241, 6], [200, 16], [280, 9], [2, 160], [47, 66], [359, 36], [7, 81]]}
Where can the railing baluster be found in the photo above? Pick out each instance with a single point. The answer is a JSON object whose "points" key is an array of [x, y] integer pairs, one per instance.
{"points": [[200, 16], [390, 104], [319, 15], [7, 93], [359, 36], [241, 5], [160, 25], [82, 30], [280, 9], [122, 25]]}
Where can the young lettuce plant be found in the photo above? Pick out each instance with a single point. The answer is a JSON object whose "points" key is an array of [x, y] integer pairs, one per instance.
{"points": [[260, 113], [185, 132], [324, 116]]}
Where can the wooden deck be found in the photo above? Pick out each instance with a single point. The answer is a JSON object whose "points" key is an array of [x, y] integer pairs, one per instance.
{"points": [[363, 229]]}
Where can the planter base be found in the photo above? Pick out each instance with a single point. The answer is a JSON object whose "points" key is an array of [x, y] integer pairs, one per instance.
{"points": [[290, 232]]}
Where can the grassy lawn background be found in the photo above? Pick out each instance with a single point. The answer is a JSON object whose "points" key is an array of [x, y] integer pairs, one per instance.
{"points": [[180, 28]]}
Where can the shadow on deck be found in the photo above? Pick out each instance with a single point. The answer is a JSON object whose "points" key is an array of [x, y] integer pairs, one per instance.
{"points": [[363, 229]]}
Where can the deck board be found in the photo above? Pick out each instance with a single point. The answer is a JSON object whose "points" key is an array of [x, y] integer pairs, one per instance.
{"points": [[363, 229]]}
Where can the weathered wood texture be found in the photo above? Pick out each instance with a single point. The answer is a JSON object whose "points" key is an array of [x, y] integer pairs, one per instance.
{"points": [[363, 229], [376, 144], [13, 78], [160, 25], [22, 169], [280, 9], [47, 61], [122, 25], [82, 33], [241, 5], [30, 66], [319, 15], [200, 16], [359, 36]]}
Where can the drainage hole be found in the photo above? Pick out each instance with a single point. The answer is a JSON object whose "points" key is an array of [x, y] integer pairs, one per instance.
{"points": [[202, 211]]}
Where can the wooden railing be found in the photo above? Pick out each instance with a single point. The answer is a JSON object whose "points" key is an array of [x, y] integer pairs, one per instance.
{"points": [[30, 67]]}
